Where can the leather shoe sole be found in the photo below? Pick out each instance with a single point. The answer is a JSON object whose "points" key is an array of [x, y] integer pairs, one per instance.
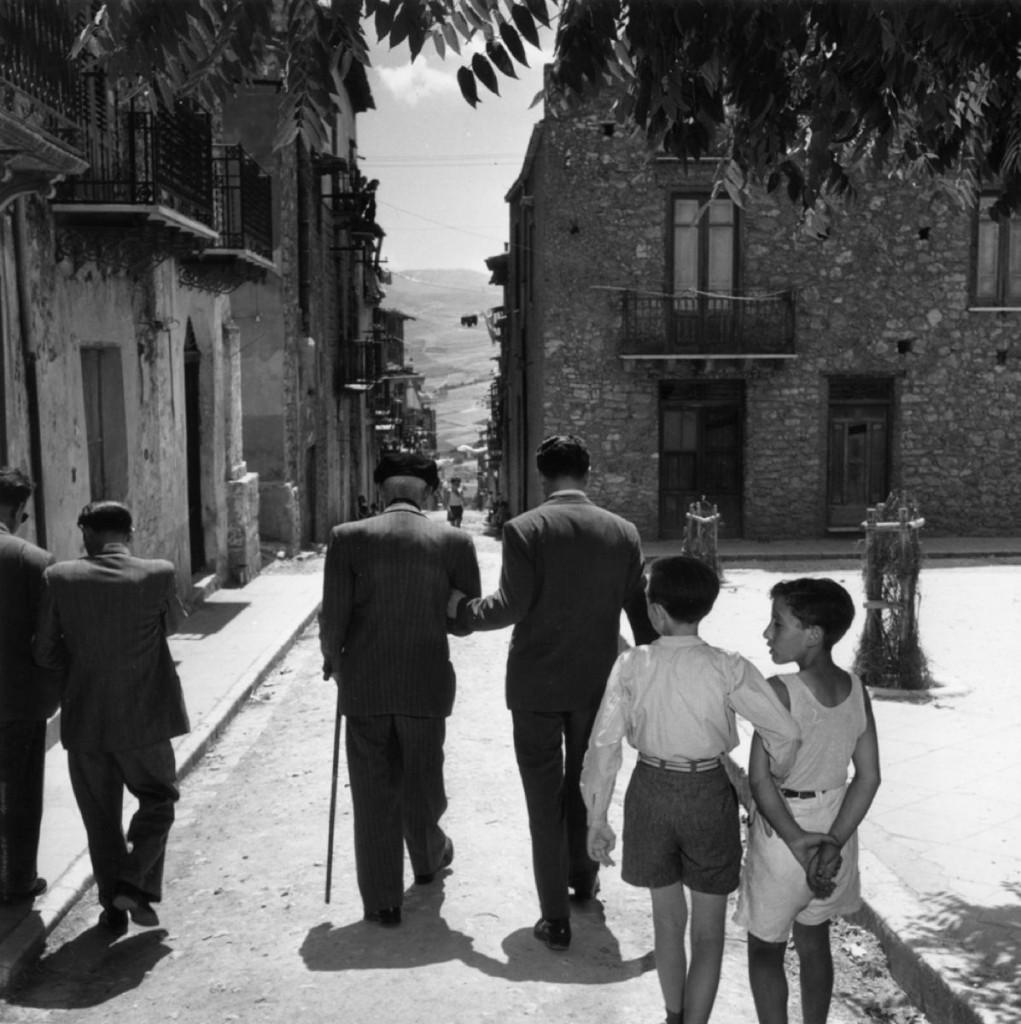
{"points": [[389, 917], [445, 862], [555, 933], [141, 912]]}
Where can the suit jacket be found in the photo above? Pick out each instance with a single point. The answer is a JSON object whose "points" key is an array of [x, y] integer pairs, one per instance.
{"points": [[27, 692], [569, 568], [105, 619], [383, 623]]}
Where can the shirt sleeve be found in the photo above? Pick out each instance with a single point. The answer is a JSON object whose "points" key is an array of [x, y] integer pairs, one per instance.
{"points": [[753, 698], [338, 597], [48, 643], [603, 757]]}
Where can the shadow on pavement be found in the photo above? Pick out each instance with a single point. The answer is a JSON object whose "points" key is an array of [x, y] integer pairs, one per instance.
{"points": [[209, 619], [91, 969], [424, 937]]}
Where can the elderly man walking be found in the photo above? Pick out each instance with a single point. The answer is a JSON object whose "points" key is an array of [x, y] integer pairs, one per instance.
{"points": [[105, 620], [383, 631], [28, 695], [569, 569]]}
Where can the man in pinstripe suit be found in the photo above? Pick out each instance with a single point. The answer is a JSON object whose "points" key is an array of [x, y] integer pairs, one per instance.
{"points": [[383, 632], [104, 620]]}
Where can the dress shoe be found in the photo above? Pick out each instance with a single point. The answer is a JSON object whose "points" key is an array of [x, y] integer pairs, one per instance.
{"points": [[389, 917], [445, 862], [555, 932], [140, 910], [587, 890], [37, 888], [114, 920]]}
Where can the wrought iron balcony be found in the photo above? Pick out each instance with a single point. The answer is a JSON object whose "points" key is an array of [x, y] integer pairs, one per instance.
{"points": [[159, 160], [360, 365], [242, 202], [707, 326], [40, 97]]}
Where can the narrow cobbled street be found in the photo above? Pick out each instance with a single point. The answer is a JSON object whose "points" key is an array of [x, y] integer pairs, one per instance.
{"points": [[246, 936]]}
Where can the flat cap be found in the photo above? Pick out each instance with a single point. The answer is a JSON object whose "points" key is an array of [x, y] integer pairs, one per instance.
{"points": [[407, 464]]}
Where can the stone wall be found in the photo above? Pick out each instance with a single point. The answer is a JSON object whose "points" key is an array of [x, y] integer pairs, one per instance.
{"points": [[884, 295]]}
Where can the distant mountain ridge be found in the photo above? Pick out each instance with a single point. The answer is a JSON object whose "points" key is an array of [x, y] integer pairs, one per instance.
{"points": [[458, 362]]}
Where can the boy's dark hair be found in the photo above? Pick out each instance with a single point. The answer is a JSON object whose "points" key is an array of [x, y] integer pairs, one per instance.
{"points": [[818, 602], [15, 486], [562, 455], [106, 517], [684, 587]]}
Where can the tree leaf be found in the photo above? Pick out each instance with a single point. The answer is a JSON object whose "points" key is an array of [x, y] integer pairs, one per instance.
{"points": [[499, 56], [513, 43], [466, 83], [485, 74], [525, 25], [537, 8]]}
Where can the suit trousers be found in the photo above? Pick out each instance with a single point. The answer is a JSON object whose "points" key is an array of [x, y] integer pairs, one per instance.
{"points": [[132, 864], [395, 767], [22, 763], [550, 748]]}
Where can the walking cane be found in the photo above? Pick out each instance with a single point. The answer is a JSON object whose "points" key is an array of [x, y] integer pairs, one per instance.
{"points": [[333, 797]]}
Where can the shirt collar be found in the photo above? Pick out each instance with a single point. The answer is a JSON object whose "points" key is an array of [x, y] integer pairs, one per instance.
{"points": [[403, 506], [115, 547], [679, 641], [3, 528], [568, 492]]}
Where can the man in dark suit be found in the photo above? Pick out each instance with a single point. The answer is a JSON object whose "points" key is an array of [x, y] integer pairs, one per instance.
{"points": [[105, 620], [569, 568], [383, 631], [28, 696]]}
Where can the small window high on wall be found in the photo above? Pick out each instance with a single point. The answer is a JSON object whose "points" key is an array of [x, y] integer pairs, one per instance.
{"points": [[105, 429], [996, 272]]}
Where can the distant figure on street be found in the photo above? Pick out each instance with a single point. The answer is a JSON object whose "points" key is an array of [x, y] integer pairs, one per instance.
{"points": [[28, 695], [569, 568], [455, 502], [674, 700], [383, 631], [105, 620], [790, 880], [363, 507]]}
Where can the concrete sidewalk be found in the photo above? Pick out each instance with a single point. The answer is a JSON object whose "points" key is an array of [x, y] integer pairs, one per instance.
{"points": [[223, 651], [942, 860]]}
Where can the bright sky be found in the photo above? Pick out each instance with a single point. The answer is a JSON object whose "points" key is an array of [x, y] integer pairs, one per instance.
{"points": [[444, 167]]}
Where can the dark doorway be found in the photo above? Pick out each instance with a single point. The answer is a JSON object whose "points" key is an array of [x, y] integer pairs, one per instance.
{"points": [[700, 453], [859, 444], [193, 442]]}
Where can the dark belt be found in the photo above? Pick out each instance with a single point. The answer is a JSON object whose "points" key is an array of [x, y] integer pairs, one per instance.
{"points": [[802, 794], [705, 765]]}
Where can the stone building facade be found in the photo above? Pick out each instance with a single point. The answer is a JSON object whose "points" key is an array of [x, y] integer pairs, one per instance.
{"points": [[119, 357], [792, 376]]}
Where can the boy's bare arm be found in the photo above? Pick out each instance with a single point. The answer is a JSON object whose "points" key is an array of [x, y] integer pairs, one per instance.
{"points": [[772, 806]]}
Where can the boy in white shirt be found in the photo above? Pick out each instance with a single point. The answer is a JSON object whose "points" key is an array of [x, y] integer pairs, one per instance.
{"points": [[674, 700]]}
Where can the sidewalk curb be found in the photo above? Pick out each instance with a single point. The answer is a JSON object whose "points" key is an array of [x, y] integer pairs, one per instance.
{"points": [[24, 945], [912, 968]]}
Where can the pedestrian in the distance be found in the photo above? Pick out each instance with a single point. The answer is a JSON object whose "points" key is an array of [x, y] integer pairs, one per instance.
{"points": [[28, 695], [674, 700], [789, 880], [455, 502], [105, 620], [383, 631], [569, 568]]}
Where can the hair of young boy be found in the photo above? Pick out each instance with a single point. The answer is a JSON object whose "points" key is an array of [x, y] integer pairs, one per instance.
{"points": [[818, 602], [684, 587]]}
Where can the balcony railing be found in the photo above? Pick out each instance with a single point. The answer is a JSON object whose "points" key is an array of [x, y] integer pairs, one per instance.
{"points": [[147, 159], [35, 45], [361, 364], [242, 202], [658, 325]]}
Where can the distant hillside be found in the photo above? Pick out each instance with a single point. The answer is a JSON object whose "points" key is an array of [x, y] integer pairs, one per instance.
{"points": [[458, 362]]}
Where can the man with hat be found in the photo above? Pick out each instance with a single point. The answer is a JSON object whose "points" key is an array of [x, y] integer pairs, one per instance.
{"points": [[383, 632]]}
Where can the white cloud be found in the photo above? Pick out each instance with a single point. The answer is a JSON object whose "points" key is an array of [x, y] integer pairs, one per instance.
{"points": [[412, 83]]}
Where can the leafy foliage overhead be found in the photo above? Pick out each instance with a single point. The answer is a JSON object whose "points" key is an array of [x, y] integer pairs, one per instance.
{"points": [[799, 93]]}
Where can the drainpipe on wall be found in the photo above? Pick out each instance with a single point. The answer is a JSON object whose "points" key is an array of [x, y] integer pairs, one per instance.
{"points": [[35, 447]]}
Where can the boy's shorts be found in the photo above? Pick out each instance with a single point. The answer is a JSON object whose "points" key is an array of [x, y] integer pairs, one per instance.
{"points": [[681, 827], [774, 893]]}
